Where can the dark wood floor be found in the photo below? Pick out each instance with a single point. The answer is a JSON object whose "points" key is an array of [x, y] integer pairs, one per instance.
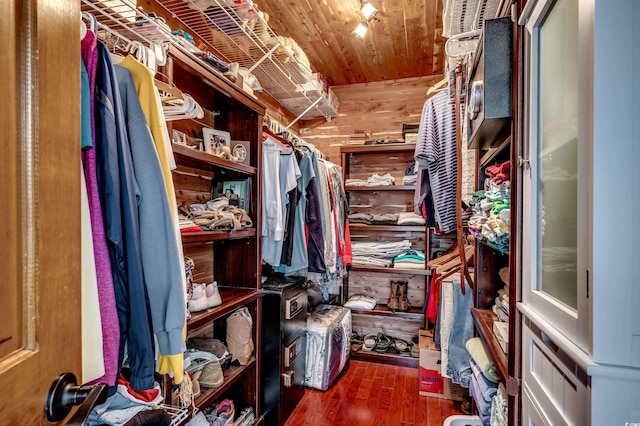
{"points": [[372, 394]]}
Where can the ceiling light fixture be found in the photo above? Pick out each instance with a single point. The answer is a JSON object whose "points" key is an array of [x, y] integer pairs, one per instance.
{"points": [[369, 11], [361, 29]]}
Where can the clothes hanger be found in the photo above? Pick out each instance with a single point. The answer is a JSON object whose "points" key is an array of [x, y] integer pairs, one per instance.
{"points": [[283, 144], [438, 87], [167, 91]]}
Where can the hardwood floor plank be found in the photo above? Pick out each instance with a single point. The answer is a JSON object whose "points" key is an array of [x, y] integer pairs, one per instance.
{"points": [[372, 394]]}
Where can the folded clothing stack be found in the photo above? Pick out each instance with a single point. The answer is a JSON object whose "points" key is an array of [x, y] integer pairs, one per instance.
{"points": [[410, 259]]}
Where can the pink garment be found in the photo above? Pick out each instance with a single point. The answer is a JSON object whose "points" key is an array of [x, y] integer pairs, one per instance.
{"points": [[499, 172], [106, 291]]}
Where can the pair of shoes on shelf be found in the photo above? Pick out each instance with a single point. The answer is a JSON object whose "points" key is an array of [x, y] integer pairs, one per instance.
{"points": [[370, 342], [222, 414], [213, 346], [205, 368], [403, 348], [384, 342], [204, 296], [356, 342], [240, 336], [399, 301]]}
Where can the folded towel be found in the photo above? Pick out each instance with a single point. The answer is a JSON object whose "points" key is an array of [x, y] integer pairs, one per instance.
{"points": [[484, 407], [486, 388], [479, 354]]}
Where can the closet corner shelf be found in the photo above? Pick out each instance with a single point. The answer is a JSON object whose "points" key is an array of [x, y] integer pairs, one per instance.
{"points": [[392, 147], [390, 270], [386, 358], [201, 157], [231, 375], [381, 188], [205, 236], [383, 311], [484, 319], [492, 153], [232, 299], [218, 81], [393, 228], [487, 244]]}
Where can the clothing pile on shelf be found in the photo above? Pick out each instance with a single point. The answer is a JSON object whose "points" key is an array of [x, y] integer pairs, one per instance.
{"points": [[304, 214], [216, 214], [132, 256], [378, 254], [373, 180], [409, 259], [410, 177], [486, 389], [404, 218], [490, 220]]}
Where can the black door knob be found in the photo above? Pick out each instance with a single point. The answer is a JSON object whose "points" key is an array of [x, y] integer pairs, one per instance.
{"points": [[65, 393]]}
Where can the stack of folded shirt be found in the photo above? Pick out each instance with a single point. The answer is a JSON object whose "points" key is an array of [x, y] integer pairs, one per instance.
{"points": [[490, 220], [378, 254], [501, 307], [410, 175], [363, 218], [410, 218], [216, 214], [378, 180], [384, 219], [410, 259], [355, 182]]}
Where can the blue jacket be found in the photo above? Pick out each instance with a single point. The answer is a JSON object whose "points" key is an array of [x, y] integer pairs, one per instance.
{"points": [[161, 261], [120, 195]]}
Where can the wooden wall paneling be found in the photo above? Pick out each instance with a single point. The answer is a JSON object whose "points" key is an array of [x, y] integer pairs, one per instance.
{"points": [[200, 253], [192, 185], [362, 166], [378, 108], [236, 267], [379, 285]]}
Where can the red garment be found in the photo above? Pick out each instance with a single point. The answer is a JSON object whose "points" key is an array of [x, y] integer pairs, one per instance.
{"points": [[348, 252], [434, 298], [142, 395]]}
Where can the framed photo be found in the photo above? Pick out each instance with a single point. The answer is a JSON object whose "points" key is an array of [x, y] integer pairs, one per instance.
{"points": [[214, 140], [237, 191], [240, 150]]}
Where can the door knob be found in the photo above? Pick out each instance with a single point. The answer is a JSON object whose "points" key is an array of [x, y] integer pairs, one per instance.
{"points": [[66, 393]]}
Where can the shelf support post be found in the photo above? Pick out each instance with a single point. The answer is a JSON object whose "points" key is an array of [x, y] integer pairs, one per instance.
{"points": [[304, 112]]}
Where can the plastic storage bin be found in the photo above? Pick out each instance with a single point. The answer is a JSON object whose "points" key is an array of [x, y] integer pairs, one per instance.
{"points": [[460, 420]]}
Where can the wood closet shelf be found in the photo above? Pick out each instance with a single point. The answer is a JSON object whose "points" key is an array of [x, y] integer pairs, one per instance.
{"points": [[374, 228], [383, 311], [490, 155], [204, 236], [231, 375], [381, 188], [390, 270], [386, 358], [194, 158], [484, 319], [232, 299]]}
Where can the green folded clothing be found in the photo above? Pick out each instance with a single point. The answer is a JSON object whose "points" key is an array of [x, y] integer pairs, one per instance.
{"points": [[479, 354]]}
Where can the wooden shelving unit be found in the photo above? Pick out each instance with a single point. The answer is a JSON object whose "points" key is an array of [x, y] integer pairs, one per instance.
{"points": [[483, 319]]}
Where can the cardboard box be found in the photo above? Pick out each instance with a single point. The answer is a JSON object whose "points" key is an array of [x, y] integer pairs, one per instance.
{"points": [[431, 383], [501, 330]]}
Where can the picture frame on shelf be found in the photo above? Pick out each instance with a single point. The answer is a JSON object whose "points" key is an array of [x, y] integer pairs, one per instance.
{"points": [[240, 150], [237, 191], [215, 139]]}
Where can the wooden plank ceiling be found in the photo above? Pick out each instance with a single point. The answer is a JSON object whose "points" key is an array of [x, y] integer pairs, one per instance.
{"points": [[405, 40]]}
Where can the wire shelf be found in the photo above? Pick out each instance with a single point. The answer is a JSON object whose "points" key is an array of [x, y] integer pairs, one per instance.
{"points": [[226, 30]]}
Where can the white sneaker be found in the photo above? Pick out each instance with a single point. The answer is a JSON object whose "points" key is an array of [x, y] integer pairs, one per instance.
{"points": [[213, 295], [198, 300]]}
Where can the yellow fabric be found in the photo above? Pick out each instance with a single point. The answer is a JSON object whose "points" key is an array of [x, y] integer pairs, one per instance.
{"points": [[149, 101]]}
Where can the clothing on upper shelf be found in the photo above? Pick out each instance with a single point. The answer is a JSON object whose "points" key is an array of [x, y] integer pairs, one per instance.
{"points": [[491, 214]]}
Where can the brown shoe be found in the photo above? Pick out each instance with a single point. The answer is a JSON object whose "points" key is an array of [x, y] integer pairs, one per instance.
{"points": [[211, 376], [403, 303], [394, 303]]}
